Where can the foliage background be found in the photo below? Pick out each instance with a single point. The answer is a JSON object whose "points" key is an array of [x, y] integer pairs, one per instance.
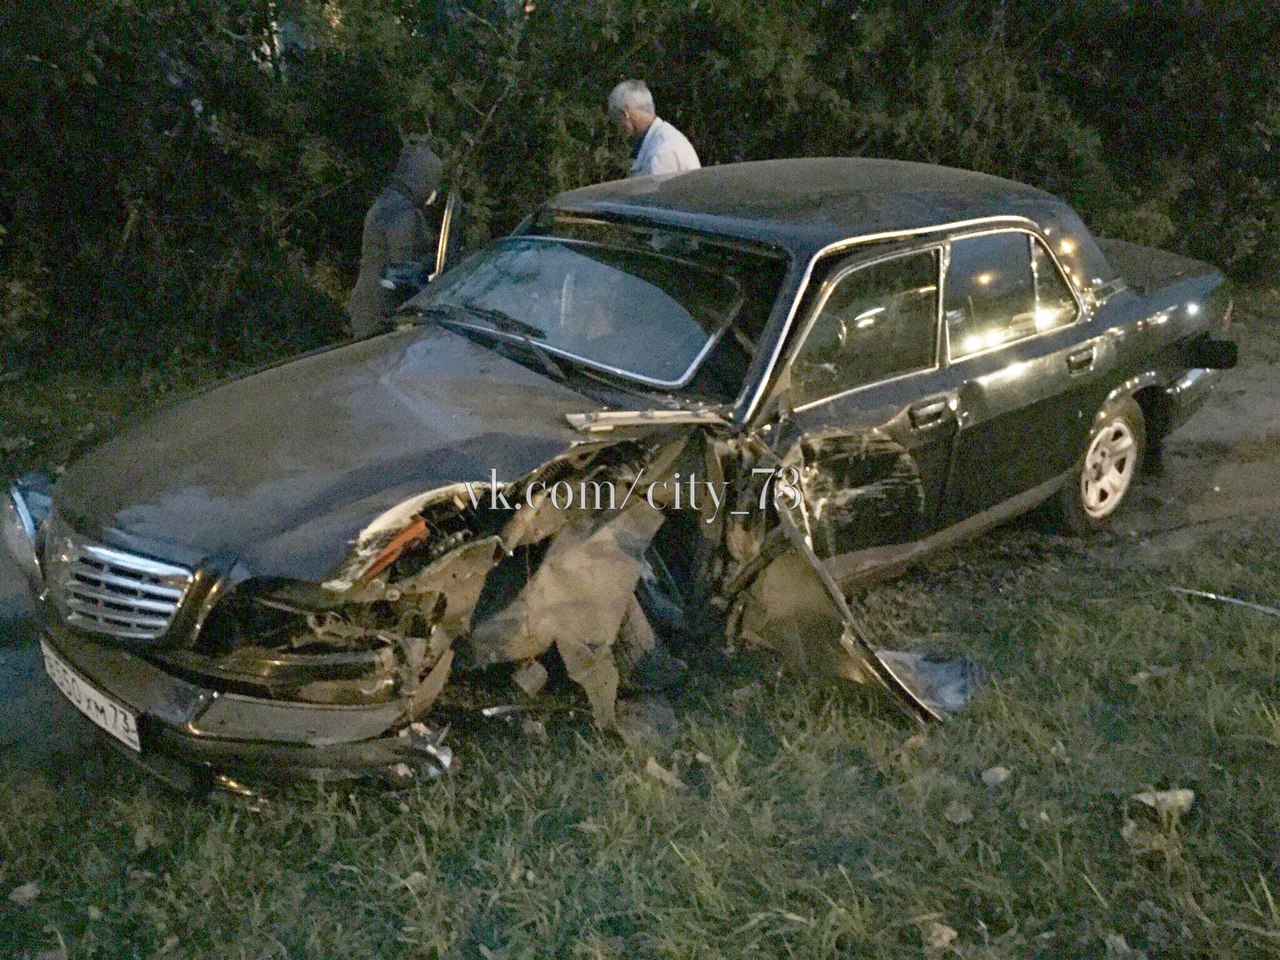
{"points": [[184, 180]]}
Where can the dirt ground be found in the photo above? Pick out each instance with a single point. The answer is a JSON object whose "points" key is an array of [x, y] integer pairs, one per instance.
{"points": [[1220, 470], [1222, 466]]}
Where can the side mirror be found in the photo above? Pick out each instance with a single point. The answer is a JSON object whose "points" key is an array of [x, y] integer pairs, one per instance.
{"points": [[1213, 354]]}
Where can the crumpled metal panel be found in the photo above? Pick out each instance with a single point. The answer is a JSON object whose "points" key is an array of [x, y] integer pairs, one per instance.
{"points": [[576, 601], [794, 606], [863, 490]]}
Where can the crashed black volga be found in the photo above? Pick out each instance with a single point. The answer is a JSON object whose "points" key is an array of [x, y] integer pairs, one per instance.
{"points": [[667, 412]]}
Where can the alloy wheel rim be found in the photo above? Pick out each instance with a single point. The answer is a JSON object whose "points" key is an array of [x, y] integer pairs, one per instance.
{"points": [[1108, 469]]}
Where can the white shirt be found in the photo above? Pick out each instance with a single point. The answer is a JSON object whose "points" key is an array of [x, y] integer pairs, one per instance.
{"points": [[664, 149]]}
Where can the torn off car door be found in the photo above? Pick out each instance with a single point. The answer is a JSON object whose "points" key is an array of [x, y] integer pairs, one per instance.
{"points": [[794, 606]]}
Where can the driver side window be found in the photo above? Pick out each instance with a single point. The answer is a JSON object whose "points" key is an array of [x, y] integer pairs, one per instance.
{"points": [[879, 321]]}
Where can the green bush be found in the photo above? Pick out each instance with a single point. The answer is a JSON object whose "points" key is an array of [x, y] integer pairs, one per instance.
{"points": [[179, 179]]}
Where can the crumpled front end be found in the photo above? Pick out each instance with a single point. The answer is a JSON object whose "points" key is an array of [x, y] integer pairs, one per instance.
{"points": [[263, 678], [461, 599]]}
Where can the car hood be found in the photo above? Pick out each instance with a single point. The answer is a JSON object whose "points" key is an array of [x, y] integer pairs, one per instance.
{"points": [[281, 470]]}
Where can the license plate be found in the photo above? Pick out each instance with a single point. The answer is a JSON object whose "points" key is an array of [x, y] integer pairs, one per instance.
{"points": [[108, 713]]}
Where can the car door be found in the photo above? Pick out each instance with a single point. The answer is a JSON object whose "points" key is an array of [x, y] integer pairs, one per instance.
{"points": [[871, 429], [1025, 370], [444, 217]]}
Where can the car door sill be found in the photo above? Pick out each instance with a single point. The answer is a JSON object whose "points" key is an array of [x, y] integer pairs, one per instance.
{"points": [[873, 563]]}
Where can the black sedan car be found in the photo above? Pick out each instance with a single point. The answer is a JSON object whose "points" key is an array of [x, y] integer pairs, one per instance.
{"points": [[665, 411]]}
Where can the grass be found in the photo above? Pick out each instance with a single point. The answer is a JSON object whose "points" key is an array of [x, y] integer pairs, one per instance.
{"points": [[816, 821]]}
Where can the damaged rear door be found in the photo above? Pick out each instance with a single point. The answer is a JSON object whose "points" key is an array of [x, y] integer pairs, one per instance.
{"points": [[872, 427]]}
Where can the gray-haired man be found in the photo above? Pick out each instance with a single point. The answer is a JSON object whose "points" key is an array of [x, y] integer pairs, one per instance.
{"points": [[659, 147]]}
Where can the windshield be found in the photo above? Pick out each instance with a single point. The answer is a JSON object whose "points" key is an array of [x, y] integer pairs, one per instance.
{"points": [[647, 305]]}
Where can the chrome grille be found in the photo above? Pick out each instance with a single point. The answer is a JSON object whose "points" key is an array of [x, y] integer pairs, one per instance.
{"points": [[112, 592]]}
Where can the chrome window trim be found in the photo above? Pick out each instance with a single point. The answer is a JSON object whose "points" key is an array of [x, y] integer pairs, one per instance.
{"points": [[621, 248], [828, 287], [1080, 317], [836, 247], [637, 223]]}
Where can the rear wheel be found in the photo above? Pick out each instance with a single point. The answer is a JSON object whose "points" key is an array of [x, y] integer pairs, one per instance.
{"points": [[1101, 482]]}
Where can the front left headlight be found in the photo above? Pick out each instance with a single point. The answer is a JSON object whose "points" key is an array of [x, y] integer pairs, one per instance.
{"points": [[22, 513]]}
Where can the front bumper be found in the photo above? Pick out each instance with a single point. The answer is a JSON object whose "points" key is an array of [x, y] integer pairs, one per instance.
{"points": [[195, 737]]}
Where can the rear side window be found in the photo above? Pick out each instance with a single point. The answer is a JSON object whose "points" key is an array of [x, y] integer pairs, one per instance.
{"points": [[1055, 305], [1002, 287], [879, 321]]}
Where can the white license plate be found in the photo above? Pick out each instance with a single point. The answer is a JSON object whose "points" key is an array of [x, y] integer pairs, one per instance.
{"points": [[108, 713]]}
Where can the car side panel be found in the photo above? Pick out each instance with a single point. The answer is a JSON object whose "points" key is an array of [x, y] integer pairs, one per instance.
{"points": [[880, 457], [1024, 414]]}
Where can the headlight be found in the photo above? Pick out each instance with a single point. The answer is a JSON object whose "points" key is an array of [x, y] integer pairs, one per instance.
{"points": [[22, 512]]}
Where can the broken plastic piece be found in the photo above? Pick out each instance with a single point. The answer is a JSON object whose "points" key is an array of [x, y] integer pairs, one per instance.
{"points": [[1167, 802], [664, 776], [938, 936], [530, 677], [994, 776], [411, 536], [431, 686], [436, 755], [944, 685], [504, 711]]}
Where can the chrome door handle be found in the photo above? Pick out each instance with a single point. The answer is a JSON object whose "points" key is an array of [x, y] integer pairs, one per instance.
{"points": [[928, 413], [1081, 360]]}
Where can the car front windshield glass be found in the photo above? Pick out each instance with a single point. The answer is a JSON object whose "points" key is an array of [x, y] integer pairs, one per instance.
{"points": [[623, 307]]}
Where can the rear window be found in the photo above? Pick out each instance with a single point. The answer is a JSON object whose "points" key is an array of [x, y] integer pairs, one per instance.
{"points": [[1001, 288]]}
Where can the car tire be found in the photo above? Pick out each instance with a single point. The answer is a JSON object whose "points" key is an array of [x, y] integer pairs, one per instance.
{"points": [[1102, 481]]}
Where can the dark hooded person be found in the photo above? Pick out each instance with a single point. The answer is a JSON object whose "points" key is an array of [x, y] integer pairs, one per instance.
{"points": [[397, 245]]}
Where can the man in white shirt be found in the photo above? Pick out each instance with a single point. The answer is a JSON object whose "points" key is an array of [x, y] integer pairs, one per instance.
{"points": [[660, 147]]}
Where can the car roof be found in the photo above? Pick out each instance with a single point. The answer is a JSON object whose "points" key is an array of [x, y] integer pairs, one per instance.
{"points": [[805, 204]]}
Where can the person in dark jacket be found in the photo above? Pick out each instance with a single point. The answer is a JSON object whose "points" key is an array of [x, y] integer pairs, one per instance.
{"points": [[397, 245]]}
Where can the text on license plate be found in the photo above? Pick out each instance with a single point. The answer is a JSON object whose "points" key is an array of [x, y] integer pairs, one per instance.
{"points": [[110, 714]]}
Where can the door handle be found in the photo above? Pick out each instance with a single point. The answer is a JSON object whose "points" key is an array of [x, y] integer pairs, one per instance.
{"points": [[1081, 360], [928, 413]]}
